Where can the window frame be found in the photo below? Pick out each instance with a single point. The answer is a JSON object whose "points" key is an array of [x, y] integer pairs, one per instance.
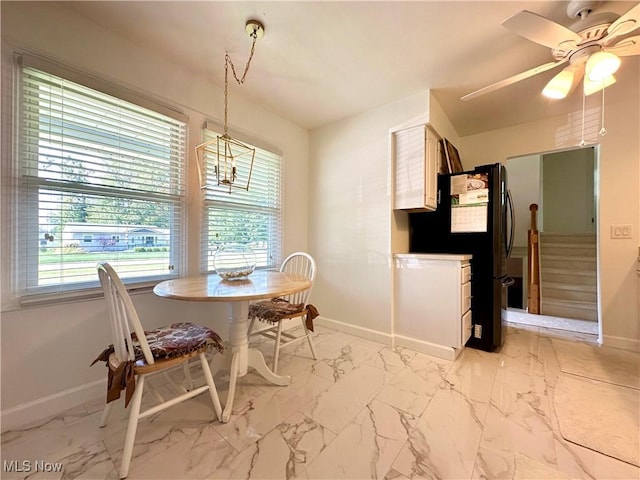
{"points": [[210, 130], [16, 231]]}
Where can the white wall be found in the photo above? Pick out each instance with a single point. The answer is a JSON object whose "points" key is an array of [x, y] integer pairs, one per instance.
{"points": [[46, 351], [350, 205], [523, 178], [619, 202], [567, 186], [353, 231]]}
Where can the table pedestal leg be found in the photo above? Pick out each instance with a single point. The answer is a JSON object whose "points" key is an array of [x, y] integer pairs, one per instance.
{"points": [[242, 356], [256, 361]]}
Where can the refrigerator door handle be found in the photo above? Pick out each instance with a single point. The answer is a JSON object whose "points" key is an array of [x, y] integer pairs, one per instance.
{"points": [[512, 224], [507, 282]]}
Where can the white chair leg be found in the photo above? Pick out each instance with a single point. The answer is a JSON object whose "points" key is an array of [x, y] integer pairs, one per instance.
{"points": [[187, 375], [132, 427], [308, 333], [233, 378], [276, 348], [251, 324], [213, 392], [105, 414]]}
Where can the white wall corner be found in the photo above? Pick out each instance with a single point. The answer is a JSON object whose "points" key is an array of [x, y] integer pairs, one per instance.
{"points": [[373, 335], [428, 348]]}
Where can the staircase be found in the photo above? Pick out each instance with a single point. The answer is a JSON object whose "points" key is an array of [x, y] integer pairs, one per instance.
{"points": [[568, 276]]}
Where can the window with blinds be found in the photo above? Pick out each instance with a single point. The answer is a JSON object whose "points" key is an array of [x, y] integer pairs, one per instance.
{"points": [[252, 217], [99, 179]]}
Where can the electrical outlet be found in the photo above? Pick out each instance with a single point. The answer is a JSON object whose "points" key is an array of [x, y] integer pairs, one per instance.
{"points": [[620, 231], [477, 331]]}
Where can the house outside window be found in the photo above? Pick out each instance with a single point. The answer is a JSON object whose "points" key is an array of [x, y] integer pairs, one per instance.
{"points": [[92, 172], [252, 218]]}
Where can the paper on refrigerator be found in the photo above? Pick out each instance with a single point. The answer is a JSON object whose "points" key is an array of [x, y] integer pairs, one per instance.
{"points": [[469, 203]]}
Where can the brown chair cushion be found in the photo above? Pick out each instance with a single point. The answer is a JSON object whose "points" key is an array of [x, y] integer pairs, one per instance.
{"points": [[275, 310], [178, 339]]}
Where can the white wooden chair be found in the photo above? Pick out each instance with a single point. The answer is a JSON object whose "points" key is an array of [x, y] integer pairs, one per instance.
{"points": [[136, 354], [300, 263]]}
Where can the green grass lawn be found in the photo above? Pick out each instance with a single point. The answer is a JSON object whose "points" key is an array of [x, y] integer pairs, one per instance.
{"points": [[70, 267], [57, 257]]}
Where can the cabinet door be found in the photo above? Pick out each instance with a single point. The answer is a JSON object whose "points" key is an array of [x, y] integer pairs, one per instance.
{"points": [[432, 161], [409, 149], [427, 301]]}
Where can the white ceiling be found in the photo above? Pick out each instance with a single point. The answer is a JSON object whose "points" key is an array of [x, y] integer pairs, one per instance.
{"points": [[322, 61]]}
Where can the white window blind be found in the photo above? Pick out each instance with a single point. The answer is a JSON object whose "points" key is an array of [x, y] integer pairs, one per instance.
{"points": [[252, 217], [100, 179]]}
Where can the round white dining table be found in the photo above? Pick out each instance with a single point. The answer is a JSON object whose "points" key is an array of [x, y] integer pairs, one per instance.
{"points": [[261, 284]]}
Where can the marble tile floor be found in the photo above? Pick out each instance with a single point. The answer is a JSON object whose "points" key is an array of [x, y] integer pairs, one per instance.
{"points": [[362, 410]]}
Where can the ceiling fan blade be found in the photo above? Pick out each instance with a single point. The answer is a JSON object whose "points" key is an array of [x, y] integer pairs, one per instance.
{"points": [[513, 79], [541, 30], [626, 47], [578, 74], [625, 24]]}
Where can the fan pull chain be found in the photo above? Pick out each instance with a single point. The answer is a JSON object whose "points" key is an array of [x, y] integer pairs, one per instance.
{"points": [[603, 131], [584, 99]]}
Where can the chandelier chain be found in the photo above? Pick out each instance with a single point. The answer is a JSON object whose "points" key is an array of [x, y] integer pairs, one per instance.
{"points": [[227, 62]]}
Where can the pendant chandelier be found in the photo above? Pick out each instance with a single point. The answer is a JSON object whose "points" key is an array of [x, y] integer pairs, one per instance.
{"points": [[224, 152]]}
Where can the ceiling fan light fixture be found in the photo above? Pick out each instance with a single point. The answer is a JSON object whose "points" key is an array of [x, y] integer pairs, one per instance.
{"points": [[602, 65], [593, 87], [560, 85]]}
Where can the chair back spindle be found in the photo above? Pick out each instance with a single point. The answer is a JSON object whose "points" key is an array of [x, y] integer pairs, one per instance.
{"points": [[300, 263], [123, 317], [172, 346]]}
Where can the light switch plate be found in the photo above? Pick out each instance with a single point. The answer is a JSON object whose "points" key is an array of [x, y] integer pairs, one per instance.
{"points": [[620, 231]]}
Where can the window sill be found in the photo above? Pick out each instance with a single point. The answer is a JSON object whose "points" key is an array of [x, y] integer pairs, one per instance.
{"points": [[45, 300]]}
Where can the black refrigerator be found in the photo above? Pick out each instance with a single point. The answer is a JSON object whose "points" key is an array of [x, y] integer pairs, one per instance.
{"points": [[474, 216]]}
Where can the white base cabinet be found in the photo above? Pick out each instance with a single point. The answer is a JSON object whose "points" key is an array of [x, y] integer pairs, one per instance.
{"points": [[432, 302]]}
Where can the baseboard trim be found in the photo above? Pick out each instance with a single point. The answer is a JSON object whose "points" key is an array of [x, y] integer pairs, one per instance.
{"points": [[446, 353], [439, 351], [621, 342], [373, 335], [51, 405]]}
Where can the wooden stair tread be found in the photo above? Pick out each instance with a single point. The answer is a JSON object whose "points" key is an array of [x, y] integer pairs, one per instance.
{"points": [[568, 271], [568, 245], [570, 286], [577, 304], [568, 258], [577, 236]]}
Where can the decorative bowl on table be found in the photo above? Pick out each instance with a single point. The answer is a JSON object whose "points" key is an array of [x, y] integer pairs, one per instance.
{"points": [[234, 261]]}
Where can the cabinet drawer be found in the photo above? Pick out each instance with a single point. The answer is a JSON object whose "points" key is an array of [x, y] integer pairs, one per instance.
{"points": [[466, 297], [466, 273], [466, 327]]}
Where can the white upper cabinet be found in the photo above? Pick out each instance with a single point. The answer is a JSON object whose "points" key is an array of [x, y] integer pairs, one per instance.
{"points": [[416, 154]]}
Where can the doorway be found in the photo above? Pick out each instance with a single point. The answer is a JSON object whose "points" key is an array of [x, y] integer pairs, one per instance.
{"points": [[564, 186]]}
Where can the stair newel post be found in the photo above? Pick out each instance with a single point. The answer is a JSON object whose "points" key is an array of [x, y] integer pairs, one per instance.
{"points": [[533, 303]]}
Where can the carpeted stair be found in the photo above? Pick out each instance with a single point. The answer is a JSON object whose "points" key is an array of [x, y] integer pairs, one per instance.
{"points": [[568, 274]]}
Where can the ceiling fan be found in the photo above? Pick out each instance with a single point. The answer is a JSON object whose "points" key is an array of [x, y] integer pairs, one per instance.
{"points": [[592, 47]]}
